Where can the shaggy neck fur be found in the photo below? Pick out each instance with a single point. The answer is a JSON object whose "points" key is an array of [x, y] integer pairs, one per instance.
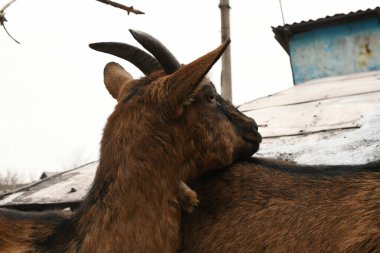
{"points": [[132, 206]]}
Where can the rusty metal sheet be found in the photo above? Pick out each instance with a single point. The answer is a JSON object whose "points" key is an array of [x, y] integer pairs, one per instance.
{"points": [[320, 89]]}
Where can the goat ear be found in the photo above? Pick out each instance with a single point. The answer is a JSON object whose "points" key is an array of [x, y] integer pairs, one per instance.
{"points": [[115, 78], [181, 83]]}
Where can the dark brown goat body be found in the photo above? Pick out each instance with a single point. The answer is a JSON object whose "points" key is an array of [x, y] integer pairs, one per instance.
{"points": [[166, 127], [272, 206]]}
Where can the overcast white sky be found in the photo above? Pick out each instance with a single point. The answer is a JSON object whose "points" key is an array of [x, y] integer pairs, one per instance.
{"points": [[53, 104]]}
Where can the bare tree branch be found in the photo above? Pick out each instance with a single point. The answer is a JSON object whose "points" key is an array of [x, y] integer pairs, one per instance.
{"points": [[114, 4], [9, 34], [3, 19], [121, 6], [6, 6]]}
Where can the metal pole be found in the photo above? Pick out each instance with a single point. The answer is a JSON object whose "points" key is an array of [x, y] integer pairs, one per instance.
{"points": [[226, 81]]}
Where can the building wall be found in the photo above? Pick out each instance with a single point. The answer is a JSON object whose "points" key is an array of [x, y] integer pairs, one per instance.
{"points": [[337, 50]]}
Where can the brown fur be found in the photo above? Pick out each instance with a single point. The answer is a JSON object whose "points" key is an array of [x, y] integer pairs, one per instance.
{"points": [[164, 129], [272, 206]]}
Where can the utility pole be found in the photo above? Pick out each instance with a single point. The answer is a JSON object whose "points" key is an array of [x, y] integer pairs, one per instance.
{"points": [[226, 81]]}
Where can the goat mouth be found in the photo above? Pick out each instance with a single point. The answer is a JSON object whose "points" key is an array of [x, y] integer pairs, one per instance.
{"points": [[253, 137], [252, 144], [246, 152]]}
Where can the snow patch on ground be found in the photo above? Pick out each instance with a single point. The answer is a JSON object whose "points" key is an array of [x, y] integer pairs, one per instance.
{"points": [[354, 146]]}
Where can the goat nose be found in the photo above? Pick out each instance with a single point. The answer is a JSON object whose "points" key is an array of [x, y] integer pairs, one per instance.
{"points": [[255, 126], [249, 124]]}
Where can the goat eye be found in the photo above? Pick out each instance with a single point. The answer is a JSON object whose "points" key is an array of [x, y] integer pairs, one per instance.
{"points": [[211, 98]]}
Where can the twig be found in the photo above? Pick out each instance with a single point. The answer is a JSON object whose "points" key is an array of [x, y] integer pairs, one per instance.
{"points": [[6, 6], [3, 19], [121, 6], [9, 34], [114, 4]]}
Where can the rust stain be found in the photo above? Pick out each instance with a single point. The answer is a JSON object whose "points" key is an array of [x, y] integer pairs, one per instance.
{"points": [[367, 49], [364, 55]]}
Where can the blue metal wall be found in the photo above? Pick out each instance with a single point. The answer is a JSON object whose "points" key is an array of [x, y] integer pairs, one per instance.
{"points": [[337, 50]]}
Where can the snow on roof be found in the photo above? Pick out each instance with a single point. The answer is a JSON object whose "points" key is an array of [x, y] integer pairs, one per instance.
{"points": [[335, 120]]}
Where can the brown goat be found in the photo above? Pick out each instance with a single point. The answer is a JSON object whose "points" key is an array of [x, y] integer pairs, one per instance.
{"points": [[271, 206], [166, 127], [265, 205]]}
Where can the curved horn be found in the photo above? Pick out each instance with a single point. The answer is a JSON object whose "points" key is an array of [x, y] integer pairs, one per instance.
{"points": [[142, 60], [158, 50]]}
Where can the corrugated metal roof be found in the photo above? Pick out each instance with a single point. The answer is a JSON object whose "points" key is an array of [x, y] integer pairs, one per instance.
{"points": [[283, 33], [326, 121]]}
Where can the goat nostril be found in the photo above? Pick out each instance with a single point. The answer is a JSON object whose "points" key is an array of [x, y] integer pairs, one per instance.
{"points": [[255, 126], [248, 124]]}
